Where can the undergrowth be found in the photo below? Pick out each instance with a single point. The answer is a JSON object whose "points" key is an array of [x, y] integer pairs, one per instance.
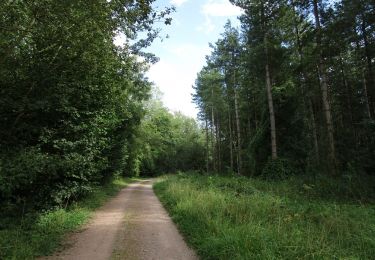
{"points": [[241, 218], [40, 233]]}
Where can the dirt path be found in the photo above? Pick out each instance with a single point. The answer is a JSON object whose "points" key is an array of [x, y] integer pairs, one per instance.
{"points": [[133, 225]]}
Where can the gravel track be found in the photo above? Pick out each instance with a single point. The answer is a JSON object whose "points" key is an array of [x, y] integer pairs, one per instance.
{"points": [[133, 225]]}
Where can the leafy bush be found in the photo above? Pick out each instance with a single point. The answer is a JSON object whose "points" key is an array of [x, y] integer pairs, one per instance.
{"points": [[278, 169]]}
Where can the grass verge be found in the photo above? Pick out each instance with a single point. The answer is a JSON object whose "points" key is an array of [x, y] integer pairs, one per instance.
{"points": [[241, 218], [38, 234]]}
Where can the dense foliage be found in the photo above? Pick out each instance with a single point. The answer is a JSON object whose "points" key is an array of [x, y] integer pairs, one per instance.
{"points": [[70, 99], [167, 142], [293, 90]]}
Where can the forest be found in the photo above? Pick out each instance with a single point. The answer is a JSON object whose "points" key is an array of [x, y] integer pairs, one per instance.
{"points": [[76, 109], [285, 130], [291, 91]]}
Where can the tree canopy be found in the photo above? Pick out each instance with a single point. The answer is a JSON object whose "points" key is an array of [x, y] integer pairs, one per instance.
{"points": [[71, 100], [292, 89]]}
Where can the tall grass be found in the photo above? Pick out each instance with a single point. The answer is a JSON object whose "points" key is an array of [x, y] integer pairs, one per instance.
{"points": [[240, 218], [40, 233]]}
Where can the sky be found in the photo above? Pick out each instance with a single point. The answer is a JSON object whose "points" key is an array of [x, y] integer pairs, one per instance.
{"points": [[195, 24]]}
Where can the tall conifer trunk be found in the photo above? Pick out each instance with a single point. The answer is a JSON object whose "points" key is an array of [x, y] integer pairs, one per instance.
{"points": [[364, 81], [368, 109], [306, 98], [239, 159], [207, 148], [269, 88], [218, 144], [324, 90], [230, 139], [371, 82], [270, 101], [213, 141]]}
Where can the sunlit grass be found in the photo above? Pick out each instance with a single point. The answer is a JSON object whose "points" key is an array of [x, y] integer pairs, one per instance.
{"points": [[231, 218]]}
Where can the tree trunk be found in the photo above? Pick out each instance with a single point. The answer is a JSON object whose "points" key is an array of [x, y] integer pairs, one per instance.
{"points": [[314, 132], [370, 92], [255, 116], [270, 101], [230, 140], [366, 95], [269, 86], [327, 114], [349, 101], [324, 90], [213, 142], [239, 159], [306, 98], [248, 132], [364, 80], [218, 144], [207, 148]]}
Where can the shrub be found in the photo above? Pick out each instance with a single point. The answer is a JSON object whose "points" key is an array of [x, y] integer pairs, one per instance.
{"points": [[278, 169]]}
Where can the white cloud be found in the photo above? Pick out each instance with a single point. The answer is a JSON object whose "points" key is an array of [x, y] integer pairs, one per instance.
{"points": [[220, 8], [207, 27], [216, 8], [189, 50], [177, 70], [175, 86], [175, 75], [177, 2]]}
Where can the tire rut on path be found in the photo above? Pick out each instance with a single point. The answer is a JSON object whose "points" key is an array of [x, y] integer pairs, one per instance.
{"points": [[133, 225]]}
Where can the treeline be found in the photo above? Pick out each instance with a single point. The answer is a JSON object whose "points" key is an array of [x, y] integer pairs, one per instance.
{"points": [[71, 101], [167, 142], [293, 90]]}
